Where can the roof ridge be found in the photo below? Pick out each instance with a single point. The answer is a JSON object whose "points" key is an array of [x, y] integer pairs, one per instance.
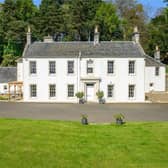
{"points": [[90, 42]]}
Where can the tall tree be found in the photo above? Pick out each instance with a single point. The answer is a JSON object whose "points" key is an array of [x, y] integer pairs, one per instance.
{"points": [[50, 18], [133, 14], [83, 14], [158, 35], [109, 23], [16, 15]]}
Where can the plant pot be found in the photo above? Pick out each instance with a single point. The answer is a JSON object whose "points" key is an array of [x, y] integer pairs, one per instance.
{"points": [[81, 101], [101, 101], [119, 121], [84, 121]]}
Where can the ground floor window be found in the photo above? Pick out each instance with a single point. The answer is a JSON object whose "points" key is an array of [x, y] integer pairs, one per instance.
{"points": [[52, 90], [33, 90], [110, 90], [70, 90], [5, 87], [131, 91]]}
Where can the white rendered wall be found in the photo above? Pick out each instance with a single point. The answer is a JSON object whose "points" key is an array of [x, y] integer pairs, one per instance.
{"points": [[158, 81], [121, 79]]}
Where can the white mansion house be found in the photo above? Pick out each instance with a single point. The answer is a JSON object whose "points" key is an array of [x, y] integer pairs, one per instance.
{"points": [[56, 71]]}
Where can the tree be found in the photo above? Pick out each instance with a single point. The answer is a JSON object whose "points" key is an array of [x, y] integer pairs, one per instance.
{"points": [[15, 16], [9, 55], [50, 18], [83, 14], [109, 22], [133, 15], [158, 35]]}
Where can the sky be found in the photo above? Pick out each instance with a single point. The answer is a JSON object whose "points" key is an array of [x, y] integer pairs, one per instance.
{"points": [[152, 6]]}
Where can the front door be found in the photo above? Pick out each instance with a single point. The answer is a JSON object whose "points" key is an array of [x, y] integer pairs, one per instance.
{"points": [[90, 92]]}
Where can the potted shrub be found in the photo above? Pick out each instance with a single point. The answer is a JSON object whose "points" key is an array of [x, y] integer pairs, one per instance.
{"points": [[100, 95], [84, 120], [119, 119], [80, 96]]}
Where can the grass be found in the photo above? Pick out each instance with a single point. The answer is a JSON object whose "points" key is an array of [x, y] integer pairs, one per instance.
{"points": [[58, 144], [167, 69]]}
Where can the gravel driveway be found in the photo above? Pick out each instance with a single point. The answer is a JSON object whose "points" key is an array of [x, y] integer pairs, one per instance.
{"points": [[95, 112]]}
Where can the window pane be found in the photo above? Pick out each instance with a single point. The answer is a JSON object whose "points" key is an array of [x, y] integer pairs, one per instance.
{"points": [[33, 90], [110, 90], [52, 67], [131, 91], [33, 67], [131, 67], [70, 66], [70, 90], [90, 66], [52, 90], [110, 67], [157, 71], [89, 70]]}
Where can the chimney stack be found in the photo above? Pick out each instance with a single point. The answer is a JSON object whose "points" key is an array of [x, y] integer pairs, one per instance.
{"points": [[29, 36], [96, 36], [157, 53], [136, 35]]}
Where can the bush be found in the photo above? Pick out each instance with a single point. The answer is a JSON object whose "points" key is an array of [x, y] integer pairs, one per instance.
{"points": [[100, 94], [3, 98], [79, 95]]}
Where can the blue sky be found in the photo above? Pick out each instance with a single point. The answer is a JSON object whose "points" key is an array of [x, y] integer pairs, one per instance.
{"points": [[151, 5]]}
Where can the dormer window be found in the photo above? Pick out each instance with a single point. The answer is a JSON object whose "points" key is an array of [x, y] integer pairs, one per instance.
{"points": [[89, 66]]}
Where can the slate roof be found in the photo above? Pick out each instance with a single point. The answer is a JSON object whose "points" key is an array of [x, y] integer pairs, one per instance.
{"points": [[120, 49], [8, 74], [150, 61]]}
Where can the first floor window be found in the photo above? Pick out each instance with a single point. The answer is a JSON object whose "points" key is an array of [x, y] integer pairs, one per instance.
{"points": [[110, 67], [89, 66], [70, 90], [52, 67], [33, 90], [110, 90], [70, 67], [131, 91], [33, 67], [131, 67], [52, 90], [157, 71]]}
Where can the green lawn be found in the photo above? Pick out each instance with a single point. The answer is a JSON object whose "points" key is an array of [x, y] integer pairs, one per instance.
{"points": [[56, 144]]}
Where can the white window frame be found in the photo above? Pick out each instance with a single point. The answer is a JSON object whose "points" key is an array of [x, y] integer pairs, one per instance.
{"points": [[52, 68], [157, 71], [32, 70], [130, 72], [68, 91], [50, 91], [129, 92], [108, 72], [90, 65], [110, 97], [31, 93], [69, 72]]}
